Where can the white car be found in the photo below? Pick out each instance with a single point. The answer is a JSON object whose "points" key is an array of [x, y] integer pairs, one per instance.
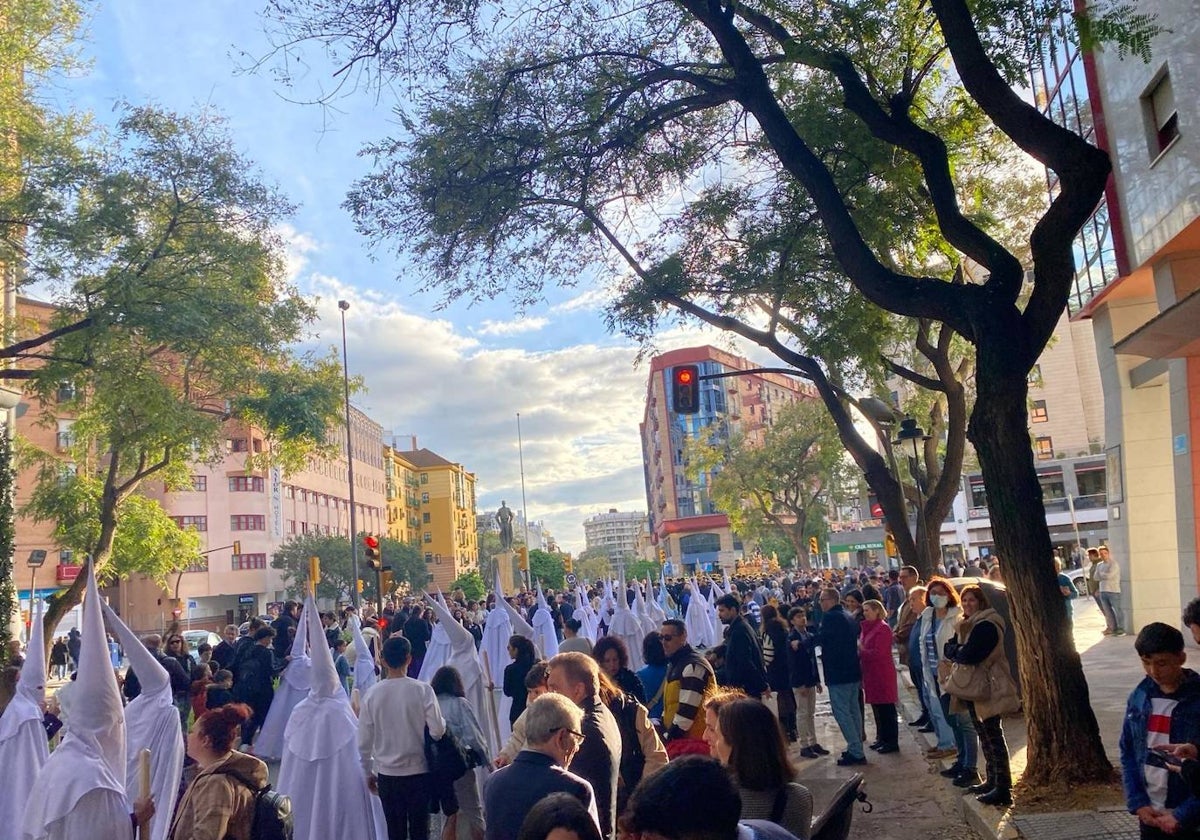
{"points": [[195, 638]]}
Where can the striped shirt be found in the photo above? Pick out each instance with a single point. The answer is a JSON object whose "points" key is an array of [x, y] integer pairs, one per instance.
{"points": [[1158, 733]]}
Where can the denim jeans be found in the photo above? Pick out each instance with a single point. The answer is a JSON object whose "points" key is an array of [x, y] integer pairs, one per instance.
{"points": [[1110, 605], [937, 715], [844, 700], [965, 737]]}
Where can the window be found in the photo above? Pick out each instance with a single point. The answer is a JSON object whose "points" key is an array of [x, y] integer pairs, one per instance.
{"points": [[428, 537], [425, 518], [64, 438], [428, 556], [289, 492], [1035, 376], [258, 445], [1044, 448], [245, 484], [424, 478], [196, 523], [1037, 412], [236, 445], [246, 562], [424, 498], [1160, 115], [248, 522]]}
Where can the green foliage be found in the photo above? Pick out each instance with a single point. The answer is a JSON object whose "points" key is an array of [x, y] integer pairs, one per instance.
{"points": [[548, 568], [641, 569], [471, 583], [408, 566], [777, 543], [592, 564]]}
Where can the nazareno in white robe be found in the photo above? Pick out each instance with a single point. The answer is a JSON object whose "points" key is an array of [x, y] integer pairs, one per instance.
{"points": [[364, 661], [23, 748], [151, 722], [320, 770], [293, 687], [81, 788]]}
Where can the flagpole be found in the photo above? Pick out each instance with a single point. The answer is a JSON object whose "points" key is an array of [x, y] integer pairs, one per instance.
{"points": [[524, 504]]}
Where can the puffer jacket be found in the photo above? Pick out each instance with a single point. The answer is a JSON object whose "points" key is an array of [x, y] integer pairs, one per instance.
{"points": [[980, 641], [216, 806]]}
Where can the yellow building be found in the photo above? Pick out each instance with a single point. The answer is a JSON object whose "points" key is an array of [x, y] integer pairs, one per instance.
{"points": [[443, 517]]}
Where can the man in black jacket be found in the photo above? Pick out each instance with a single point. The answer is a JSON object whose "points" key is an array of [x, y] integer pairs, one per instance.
{"points": [[577, 677], [743, 657], [553, 732], [838, 638]]}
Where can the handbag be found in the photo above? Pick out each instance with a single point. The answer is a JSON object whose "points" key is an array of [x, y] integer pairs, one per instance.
{"points": [[968, 682]]}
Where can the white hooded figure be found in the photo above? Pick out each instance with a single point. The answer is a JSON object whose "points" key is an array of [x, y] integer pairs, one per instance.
{"points": [[626, 627], [151, 722], [653, 606], [641, 609], [699, 629], [437, 653], [320, 770], [81, 788], [585, 615], [364, 660], [710, 609], [493, 652], [465, 659], [23, 748], [293, 687], [545, 637]]}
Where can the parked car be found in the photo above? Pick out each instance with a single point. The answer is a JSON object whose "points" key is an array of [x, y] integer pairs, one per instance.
{"points": [[1079, 578], [195, 638]]}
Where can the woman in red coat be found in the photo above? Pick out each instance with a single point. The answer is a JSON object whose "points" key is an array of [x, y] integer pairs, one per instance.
{"points": [[879, 675]]}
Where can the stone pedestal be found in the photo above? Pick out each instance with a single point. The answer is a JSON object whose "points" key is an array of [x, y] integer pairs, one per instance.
{"points": [[510, 575]]}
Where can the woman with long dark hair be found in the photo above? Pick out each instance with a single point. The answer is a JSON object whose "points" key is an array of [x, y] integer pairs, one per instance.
{"points": [[524, 655], [775, 659], [447, 685], [613, 657]]}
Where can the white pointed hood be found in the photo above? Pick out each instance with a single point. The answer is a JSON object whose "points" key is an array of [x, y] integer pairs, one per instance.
{"points": [[699, 629], [151, 722], [323, 722], [625, 625], [323, 679], [642, 610], [465, 659], [545, 635], [364, 662], [92, 753], [31, 686], [299, 669]]}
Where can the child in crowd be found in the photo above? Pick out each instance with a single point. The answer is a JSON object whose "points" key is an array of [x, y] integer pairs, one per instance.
{"points": [[805, 680], [219, 691], [201, 677], [341, 664], [1163, 710]]}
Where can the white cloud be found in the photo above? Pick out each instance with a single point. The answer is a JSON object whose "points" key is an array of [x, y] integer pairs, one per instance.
{"points": [[514, 327]]}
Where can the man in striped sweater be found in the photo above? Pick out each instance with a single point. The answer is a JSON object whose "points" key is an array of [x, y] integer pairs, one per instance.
{"points": [[688, 682]]}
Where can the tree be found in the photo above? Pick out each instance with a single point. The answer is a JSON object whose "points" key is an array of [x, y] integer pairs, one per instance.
{"points": [[593, 564], [337, 576], [472, 585], [783, 485], [616, 111], [548, 568], [172, 321]]}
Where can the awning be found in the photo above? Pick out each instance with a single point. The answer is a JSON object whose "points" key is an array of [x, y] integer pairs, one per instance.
{"points": [[1172, 334]]}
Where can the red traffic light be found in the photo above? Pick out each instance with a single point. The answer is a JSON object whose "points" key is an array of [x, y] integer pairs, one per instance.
{"points": [[371, 541], [685, 393], [684, 375]]}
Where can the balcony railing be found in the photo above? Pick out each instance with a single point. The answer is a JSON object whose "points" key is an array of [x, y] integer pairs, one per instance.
{"points": [[1095, 500]]}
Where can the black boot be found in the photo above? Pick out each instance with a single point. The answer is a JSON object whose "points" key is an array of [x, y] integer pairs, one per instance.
{"points": [[921, 721], [996, 796], [967, 779], [982, 787]]}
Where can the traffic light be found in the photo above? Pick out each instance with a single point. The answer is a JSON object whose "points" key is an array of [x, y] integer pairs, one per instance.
{"points": [[662, 556], [889, 545], [358, 584], [813, 547], [685, 389], [314, 570], [523, 559], [374, 558], [387, 581], [568, 563], [237, 548]]}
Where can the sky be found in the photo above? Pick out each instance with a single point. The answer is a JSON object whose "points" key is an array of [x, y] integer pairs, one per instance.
{"points": [[456, 378]]}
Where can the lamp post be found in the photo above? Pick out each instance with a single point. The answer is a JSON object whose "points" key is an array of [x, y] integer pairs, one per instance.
{"points": [[343, 305], [37, 558], [910, 431]]}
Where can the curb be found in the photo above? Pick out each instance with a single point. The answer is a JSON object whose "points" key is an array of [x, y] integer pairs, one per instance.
{"points": [[984, 820]]}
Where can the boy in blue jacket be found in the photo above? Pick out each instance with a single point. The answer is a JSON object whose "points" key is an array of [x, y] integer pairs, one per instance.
{"points": [[1163, 709]]}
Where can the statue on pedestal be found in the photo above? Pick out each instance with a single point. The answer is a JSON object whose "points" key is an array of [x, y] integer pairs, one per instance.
{"points": [[504, 517]]}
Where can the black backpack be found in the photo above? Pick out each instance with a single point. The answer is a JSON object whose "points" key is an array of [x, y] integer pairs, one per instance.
{"points": [[272, 810]]}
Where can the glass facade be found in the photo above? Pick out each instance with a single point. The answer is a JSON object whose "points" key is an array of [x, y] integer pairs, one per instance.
{"points": [[1061, 92], [710, 424]]}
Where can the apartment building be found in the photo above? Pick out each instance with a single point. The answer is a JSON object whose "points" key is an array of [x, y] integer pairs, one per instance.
{"points": [[444, 516], [683, 518], [617, 532]]}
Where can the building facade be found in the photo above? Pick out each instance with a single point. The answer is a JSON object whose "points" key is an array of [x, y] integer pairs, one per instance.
{"points": [[683, 519], [1138, 286], [445, 493], [616, 532]]}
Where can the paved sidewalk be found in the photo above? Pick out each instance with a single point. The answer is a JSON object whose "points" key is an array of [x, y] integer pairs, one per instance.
{"points": [[1112, 668]]}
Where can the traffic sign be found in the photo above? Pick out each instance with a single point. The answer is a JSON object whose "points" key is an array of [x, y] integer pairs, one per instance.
{"points": [[572, 580]]}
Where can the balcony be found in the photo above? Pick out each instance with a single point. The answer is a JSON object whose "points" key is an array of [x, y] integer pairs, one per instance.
{"points": [[66, 573], [1095, 500]]}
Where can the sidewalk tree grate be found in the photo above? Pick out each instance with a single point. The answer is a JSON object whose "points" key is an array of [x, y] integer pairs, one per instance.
{"points": [[1078, 825]]}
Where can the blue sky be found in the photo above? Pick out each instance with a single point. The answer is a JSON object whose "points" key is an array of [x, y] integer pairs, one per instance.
{"points": [[455, 378]]}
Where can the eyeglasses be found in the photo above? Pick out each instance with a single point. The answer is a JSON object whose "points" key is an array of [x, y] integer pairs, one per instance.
{"points": [[175, 642], [666, 637], [578, 736]]}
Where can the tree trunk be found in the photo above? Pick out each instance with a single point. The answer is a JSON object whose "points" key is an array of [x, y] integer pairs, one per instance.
{"points": [[101, 553], [1064, 740]]}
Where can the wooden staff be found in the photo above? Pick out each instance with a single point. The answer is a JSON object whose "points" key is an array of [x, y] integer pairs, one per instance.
{"points": [[487, 673], [143, 829]]}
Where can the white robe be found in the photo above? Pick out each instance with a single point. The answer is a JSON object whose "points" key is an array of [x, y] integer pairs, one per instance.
{"points": [[437, 653], [97, 808], [494, 649], [23, 747], [293, 687]]}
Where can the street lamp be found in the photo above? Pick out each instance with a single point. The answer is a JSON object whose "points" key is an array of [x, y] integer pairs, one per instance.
{"points": [[343, 305], [910, 431], [37, 558]]}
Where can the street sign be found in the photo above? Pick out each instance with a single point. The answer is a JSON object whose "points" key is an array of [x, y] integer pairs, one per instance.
{"points": [[863, 546], [572, 580], [246, 600], [193, 605]]}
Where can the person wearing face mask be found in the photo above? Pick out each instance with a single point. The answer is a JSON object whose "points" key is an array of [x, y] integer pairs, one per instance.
{"points": [[938, 619]]}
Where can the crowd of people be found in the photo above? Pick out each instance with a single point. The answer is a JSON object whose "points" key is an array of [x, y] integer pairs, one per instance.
{"points": [[510, 716]]}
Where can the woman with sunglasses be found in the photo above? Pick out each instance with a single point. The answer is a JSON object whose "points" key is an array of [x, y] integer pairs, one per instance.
{"points": [[177, 650]]}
